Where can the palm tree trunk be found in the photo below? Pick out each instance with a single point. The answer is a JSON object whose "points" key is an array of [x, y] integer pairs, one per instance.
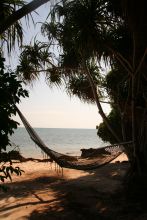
{"points": [[101, 112]]}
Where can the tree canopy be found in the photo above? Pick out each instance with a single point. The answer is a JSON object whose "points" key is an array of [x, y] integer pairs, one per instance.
{"points": [[89, 32]]}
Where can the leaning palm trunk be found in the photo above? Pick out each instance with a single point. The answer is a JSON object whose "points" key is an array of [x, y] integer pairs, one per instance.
{"points": [[96, 97]]}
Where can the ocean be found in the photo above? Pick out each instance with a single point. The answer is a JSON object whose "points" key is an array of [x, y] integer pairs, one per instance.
{"points": [[63, 140]]}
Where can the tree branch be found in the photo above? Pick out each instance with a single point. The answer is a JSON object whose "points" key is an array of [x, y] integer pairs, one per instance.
{"points": [[26, 9]]}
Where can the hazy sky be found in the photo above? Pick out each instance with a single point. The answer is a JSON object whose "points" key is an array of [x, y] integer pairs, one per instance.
{"points": [[52, 108]]}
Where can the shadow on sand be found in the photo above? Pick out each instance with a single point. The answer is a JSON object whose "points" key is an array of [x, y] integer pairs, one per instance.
{"points": [[96, 196]]}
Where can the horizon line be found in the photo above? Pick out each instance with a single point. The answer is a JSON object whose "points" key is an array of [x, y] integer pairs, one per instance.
{"points": [[57, 128]]}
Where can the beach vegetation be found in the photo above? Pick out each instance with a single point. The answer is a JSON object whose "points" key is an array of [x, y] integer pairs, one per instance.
{"points": [[11, 91], [88, 34]]}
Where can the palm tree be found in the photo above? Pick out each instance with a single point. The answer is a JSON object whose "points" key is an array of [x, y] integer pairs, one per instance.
{"points": [[80, 42], [84, 30], [110, 30], [11, 12], [91, 30], [15, 32]]}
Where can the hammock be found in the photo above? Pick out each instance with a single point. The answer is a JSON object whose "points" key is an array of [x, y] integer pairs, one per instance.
{"points": [[72, 162]]}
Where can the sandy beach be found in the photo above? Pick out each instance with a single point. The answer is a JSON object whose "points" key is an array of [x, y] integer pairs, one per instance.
{"points": [[42, 193]]}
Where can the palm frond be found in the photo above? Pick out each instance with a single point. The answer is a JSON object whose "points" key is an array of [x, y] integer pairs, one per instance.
{"points": [[33, 60]]}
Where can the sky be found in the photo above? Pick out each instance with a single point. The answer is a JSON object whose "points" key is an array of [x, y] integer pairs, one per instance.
{"points": [[53, 108]]}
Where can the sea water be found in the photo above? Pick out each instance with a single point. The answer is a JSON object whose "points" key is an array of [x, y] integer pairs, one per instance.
{"points": [[63, 140]]}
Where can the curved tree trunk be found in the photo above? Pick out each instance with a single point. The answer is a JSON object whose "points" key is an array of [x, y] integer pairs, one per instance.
{"points": [[101, 112]]}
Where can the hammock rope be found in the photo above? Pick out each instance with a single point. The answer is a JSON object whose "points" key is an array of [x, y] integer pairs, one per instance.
{"points": [[72, 162]]}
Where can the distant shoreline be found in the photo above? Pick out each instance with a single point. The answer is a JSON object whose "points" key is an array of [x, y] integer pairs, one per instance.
{"points": [[60, 128]]}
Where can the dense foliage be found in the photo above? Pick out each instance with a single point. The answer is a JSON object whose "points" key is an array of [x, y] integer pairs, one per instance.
{"points": [[11, 91], [103, 131]]}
